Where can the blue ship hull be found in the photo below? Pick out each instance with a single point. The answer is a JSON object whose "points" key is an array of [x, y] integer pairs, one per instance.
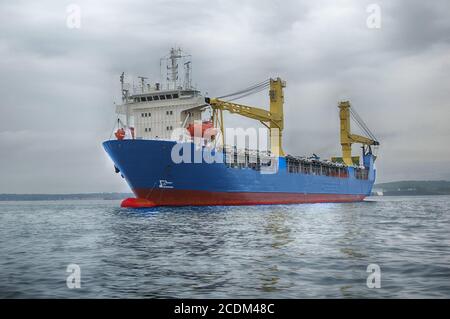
{"points": [[156, 180]]}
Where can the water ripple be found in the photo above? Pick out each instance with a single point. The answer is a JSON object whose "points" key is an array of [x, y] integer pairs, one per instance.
{"points": [[286, 251]]}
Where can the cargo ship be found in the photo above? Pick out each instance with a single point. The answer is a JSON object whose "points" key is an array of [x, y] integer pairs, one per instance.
{"points": [[170, 147]]}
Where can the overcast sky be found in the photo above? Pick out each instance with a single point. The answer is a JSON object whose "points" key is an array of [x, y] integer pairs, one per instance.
{"points": [[58, 85]]}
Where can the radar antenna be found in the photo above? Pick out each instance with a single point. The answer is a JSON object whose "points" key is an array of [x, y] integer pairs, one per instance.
{"points": [[142, 78]]}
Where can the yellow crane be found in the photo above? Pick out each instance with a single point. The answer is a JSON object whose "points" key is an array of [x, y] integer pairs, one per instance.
{"points": [[272, 119], [347, 138]]}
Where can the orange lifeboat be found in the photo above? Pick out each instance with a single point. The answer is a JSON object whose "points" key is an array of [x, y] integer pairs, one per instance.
{"points": [[120, 134], [197, 127]]}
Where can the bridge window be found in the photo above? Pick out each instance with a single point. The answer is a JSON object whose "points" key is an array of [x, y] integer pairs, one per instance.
{"points": [[143, 99], [168, 96], [162, 97], [175, 96], [149, 98], [155, 97]]}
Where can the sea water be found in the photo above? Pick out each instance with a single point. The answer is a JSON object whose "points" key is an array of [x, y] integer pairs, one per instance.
{"points": [[282, 251]]}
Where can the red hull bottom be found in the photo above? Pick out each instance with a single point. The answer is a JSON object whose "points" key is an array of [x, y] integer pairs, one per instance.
{"points": [[170, 197]]}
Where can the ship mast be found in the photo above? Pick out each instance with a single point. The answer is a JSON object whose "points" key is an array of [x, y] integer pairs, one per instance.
{"points": [[172, 70], [187, 75], [125, 93], [172, 78]]}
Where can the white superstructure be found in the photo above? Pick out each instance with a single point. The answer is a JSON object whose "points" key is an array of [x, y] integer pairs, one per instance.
{"points": [[156, 110]]}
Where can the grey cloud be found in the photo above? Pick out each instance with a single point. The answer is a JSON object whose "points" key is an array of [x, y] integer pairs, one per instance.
{"points": [[58, 85]]}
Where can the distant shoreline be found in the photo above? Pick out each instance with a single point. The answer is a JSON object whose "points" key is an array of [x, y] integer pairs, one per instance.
{"points": [[412, 188], [400, 188], [405, 195]]}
